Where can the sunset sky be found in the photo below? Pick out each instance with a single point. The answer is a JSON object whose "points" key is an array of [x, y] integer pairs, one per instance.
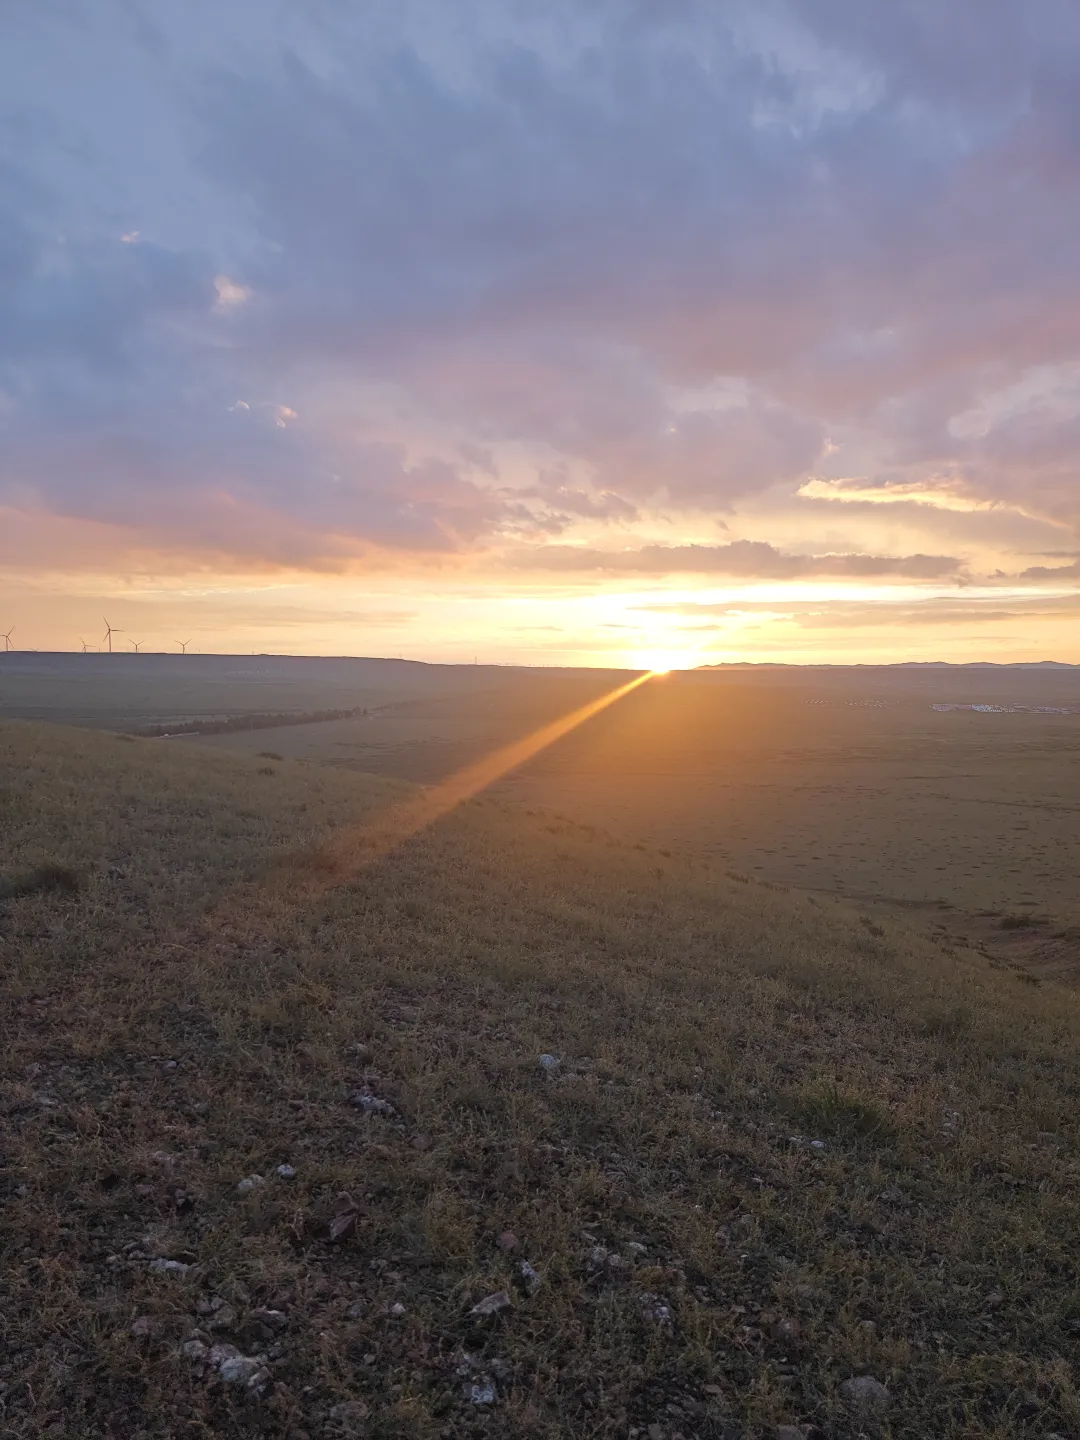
{"points": [[570, 332]]}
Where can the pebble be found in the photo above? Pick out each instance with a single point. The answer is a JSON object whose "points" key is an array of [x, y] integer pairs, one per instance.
{"points": [[194, 1349], [397, 1308], [287, 1172], [507, 1241], [251, 1182], [144, 1325], [482, 1393], [532, 1278], [247, 1370], [372, 1104], [864, 1393], [169, 1267], [349, 1413], [548, 1062], [492, 1304]]}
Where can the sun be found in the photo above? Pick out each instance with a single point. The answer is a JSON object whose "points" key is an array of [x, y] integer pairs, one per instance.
{"points": [[663, 662]]}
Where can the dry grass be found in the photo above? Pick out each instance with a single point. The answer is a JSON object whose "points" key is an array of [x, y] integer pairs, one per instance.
{"points": [[223, 983]]}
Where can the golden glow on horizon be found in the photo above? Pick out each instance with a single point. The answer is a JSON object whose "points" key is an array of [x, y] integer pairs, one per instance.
{"points": [[365, 845]]}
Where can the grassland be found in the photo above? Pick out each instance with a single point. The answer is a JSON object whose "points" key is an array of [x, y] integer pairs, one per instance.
{"points": [[846, 785], [207, 976]]}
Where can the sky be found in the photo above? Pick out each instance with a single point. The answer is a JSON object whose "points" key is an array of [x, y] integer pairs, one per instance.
{"points": [[634, 332]]}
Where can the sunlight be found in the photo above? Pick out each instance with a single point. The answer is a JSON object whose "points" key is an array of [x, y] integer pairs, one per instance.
{"points": [[410, 816], [663, 662]]}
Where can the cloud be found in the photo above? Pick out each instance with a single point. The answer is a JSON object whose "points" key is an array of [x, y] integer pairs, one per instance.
{"points": [[1052, 573], [933, 491], [913, 614], [642, 260], [745, 559]]}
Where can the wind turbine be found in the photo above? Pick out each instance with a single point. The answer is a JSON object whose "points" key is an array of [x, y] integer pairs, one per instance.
{"points": [[7, 640], [135, 644], [183, 646], [109, 633], [85, 646]]}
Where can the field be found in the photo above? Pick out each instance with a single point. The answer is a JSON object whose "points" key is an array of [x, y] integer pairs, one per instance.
{"points": [[779, 1146], [846, 784]]}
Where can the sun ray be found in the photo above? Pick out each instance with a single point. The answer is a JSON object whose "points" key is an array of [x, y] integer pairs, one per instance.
{"points": [[390, 829]]}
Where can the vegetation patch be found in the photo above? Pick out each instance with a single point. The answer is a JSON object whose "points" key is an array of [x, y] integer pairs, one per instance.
{"points": [[496, 1135]]}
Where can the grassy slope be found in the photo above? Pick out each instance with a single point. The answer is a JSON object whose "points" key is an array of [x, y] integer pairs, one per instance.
{"points": [[700, 1023]]}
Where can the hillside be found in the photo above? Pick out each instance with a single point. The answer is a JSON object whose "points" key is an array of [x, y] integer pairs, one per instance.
{"points": [[779, 1147]]}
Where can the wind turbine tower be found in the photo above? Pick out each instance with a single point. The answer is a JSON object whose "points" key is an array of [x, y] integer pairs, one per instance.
{"points": [[7, 640], [135, 644], [109, 633], [183, 646]]}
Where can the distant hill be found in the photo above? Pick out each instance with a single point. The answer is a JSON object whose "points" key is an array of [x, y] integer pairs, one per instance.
{"points": [[515, 1128]]}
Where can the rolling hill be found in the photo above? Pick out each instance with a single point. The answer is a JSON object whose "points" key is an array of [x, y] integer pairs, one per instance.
{"points": [[512, 1128]]}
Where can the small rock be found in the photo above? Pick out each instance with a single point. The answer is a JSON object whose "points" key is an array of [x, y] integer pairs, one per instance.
{"points": [[995, 1300], [656, 1308], [223, 1318], [787, 1330], [548, 1062], [143, 1326], [397, 1308], [356, 1310], [360, 1052], [251, 1182], [817, 1144], [169, 1267], [142, 1191], [492, 1304], [342, 1225], [286, 1172], [482, 1393], [194, 1349], [865, 1394], [598, 1257], [637, 1249], [372, 1104], [507, 1241], [208, 1304], [247, 1370], [531, 1277], [350, 1415], [274, 1319]]}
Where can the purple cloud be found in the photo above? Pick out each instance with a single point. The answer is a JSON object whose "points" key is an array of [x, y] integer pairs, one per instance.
{"points": [[535, 267]]}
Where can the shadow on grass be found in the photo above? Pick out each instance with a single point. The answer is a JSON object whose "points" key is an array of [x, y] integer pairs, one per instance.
{"points": [[42, 878]]}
